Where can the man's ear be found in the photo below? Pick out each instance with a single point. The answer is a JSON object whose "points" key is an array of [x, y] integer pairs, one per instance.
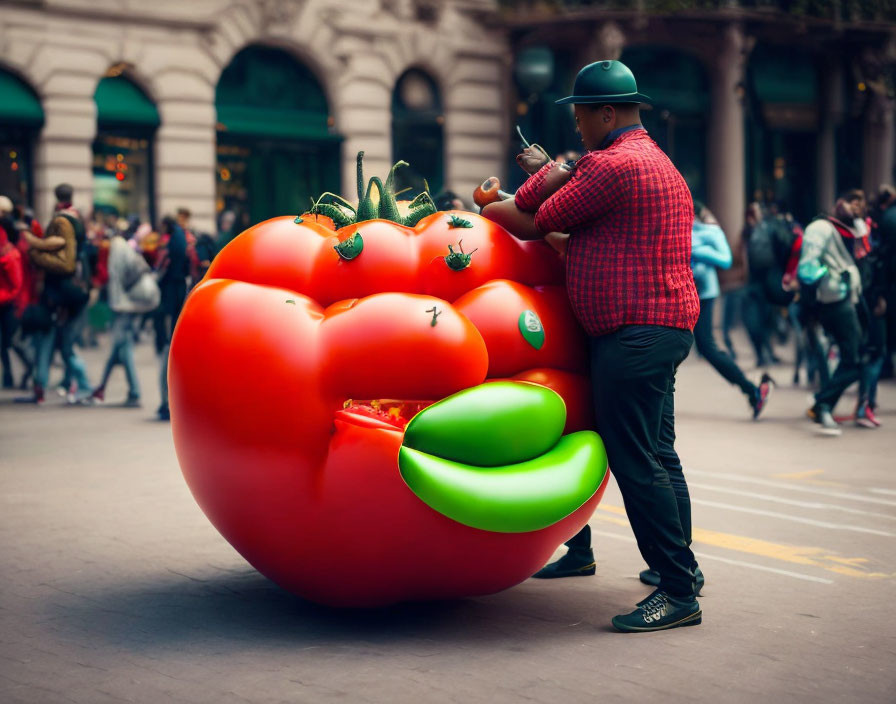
{"points": [[609, 113]]}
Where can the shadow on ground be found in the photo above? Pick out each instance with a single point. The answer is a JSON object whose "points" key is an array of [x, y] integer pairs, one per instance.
{"points": [[178, 611]]}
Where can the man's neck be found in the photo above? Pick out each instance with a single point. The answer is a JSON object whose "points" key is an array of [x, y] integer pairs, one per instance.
{"points": [[616, 132]]}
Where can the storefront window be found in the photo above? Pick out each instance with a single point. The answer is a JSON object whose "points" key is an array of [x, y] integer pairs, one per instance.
{"points": [[782, 110], [122, 184], [276, 148], [21, 118], [123, 150], [417, 133]]}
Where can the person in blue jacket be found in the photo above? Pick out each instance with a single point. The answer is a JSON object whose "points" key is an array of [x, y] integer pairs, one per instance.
{"points": [[710, 251]]}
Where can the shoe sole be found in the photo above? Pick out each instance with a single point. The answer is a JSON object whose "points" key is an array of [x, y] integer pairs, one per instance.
{"points": [[865, 423], [829, 432], [695, 619]]}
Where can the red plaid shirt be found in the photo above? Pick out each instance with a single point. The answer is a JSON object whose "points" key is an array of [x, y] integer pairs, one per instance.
{"points": [[629, 214]]}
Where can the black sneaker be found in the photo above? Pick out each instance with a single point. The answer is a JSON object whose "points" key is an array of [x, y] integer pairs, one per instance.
{"points": [[575, 563], [652, 578], [763, 393], [658, 613]]}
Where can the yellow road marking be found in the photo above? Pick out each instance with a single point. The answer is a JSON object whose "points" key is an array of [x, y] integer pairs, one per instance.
{"points": [[814, 557], [800, 475], [808, 478]]}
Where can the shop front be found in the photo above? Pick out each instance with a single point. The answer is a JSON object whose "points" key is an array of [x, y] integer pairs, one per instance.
{"points": [[21, 118], [276, 150], [123, 173]]}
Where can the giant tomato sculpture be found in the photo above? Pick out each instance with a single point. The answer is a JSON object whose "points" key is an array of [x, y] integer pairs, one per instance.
{"points": [[332, 418]]}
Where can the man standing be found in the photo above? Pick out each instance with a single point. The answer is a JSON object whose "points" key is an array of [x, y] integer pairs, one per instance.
{"points": [[629, 214]]}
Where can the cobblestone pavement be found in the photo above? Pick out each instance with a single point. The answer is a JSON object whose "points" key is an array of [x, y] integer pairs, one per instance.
{"points": [[114, 587]]}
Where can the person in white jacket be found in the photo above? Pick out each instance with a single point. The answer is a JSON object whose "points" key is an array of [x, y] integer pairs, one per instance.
{"points": [[131, 290], [830, 279]]}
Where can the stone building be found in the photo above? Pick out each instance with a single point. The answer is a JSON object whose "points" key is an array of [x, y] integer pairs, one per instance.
{"points": [[255, 105], [788, 101], [252, 104]]}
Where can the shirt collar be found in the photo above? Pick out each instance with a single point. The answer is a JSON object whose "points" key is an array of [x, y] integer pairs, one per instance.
{"points": [[615, 134]]}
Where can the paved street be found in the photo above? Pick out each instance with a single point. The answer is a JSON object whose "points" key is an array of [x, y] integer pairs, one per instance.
{"points": [[114, 587]]}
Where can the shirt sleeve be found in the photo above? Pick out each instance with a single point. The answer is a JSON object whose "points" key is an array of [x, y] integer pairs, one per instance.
{"points": [[528, 197], [597, 187], [715, 251]]}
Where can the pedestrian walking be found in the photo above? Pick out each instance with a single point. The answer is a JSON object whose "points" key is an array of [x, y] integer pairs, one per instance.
{"points": [[65, 291], [629, 215], [177, 264], [885, 219], [709, 252], [10, 290], [770, 240], [828, 276], [132, 290]]}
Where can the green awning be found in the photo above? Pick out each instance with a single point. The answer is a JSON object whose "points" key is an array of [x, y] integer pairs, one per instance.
{"points": [[19, 105], [783, 75], [120, 103], [265, 92], [249, 120]]}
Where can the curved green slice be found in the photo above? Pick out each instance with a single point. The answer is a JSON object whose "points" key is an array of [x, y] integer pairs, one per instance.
{"points": [[515, 498], [491, 424]]}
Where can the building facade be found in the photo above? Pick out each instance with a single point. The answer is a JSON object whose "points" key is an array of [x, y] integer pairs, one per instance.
{"points": [[786, 101], [255, 106]]}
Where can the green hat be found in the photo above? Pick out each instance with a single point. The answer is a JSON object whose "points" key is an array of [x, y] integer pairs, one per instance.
{"points": [[605, 82]]}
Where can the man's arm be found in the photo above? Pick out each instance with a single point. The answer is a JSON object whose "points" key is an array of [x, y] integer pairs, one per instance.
{"points": [[519, 222], [595, 188], [44, 244]]}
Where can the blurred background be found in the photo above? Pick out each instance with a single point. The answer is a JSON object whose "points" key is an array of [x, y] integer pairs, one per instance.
{"points": [[251, 107]]}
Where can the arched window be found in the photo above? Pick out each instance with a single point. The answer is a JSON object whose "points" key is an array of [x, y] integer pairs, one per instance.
{"points": [[276, 149], [21, 118], [123, 171], [417, 132], [678, 122]]}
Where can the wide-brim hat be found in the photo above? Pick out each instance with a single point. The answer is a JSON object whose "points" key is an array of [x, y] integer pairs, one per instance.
{"points": [[605, 82]]}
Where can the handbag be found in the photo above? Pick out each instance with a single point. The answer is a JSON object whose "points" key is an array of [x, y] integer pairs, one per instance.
{"points": [[144, 293]]}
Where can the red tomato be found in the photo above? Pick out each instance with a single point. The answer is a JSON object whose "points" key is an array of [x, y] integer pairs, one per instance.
{"points": [[294, 370]]}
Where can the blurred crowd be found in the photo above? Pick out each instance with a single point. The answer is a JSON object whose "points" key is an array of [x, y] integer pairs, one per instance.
{"points": [[64, 284], [827, 288]]}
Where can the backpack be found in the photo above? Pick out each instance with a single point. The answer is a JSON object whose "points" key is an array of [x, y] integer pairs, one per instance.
{"points": [[768, 251], [760, 250], [72, 291]]}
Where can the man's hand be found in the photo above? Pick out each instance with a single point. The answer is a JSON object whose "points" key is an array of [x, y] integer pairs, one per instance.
{"points": [[531, 159], [555, 179]]}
